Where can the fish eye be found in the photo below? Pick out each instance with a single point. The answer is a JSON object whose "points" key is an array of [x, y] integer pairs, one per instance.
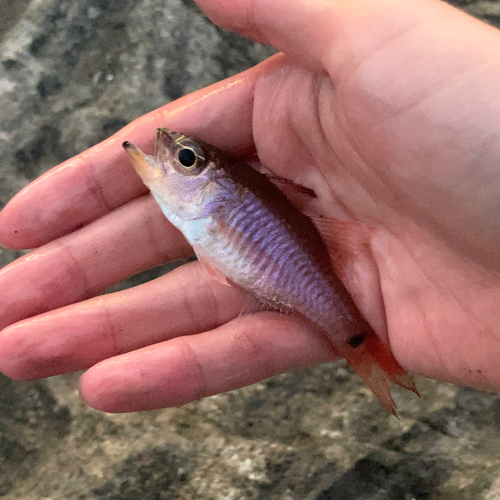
{"points": [[187, 157]]}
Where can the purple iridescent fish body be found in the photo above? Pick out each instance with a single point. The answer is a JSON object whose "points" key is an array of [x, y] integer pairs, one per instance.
{"points": [[256, 246]]}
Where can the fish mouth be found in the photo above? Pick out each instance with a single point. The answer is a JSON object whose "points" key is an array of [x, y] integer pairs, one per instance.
{"points": [[138, 159], [147, 166]]}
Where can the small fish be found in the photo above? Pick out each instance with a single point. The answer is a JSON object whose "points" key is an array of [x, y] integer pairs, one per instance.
{"points": [[246, 232]]}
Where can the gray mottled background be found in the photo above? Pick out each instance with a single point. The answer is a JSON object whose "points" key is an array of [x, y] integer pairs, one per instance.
{"points": [[71, 74]]}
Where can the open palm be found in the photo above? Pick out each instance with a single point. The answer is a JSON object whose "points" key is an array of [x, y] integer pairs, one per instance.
{"points": [[390, 118]]}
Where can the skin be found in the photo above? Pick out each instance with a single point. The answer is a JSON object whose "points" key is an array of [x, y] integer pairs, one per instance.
{"points": [[389, 110]]}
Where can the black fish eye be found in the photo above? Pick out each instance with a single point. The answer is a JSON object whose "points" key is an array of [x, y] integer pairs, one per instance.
{"points": [[187, 157]]}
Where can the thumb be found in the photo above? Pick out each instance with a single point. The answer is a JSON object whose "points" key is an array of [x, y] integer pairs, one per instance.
{"points": [[328, 34]]}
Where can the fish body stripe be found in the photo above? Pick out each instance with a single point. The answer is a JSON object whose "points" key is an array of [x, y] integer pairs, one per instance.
{"points": [[259, 252]]}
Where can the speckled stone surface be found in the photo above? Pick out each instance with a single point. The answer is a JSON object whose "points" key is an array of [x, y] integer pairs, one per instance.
{"points": [[71, 74]]}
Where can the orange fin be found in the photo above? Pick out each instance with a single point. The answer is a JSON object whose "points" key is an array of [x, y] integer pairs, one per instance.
{"points": [[212, 270], [375, 364], [343, 236], [348, 245]]}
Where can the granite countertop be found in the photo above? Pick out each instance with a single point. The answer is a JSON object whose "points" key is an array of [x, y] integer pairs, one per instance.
{"points": [[74, 72]]}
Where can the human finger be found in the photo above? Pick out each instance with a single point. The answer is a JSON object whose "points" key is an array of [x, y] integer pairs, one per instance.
{"points": [[183, 302], [100, 179], [325, 34], [249, 349], [75, 267]]}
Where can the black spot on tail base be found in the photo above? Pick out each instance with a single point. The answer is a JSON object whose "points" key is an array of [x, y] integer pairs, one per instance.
{"points": [[357, 340]]}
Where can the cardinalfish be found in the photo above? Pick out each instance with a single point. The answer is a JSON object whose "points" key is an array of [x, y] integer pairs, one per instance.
{"points": [[246, 232]]}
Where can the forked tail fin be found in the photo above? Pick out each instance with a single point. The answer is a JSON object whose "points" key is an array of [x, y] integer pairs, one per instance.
{"points": [[375, 364]]}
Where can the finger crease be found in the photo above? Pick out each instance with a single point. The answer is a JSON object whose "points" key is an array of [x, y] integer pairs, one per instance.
{"points": [[192, 315], [75, 269], [96, 189], [259, 358], [191, 360], [109, 330]]}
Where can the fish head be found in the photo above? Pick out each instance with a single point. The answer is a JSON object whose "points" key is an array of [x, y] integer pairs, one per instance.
{"points": [[181, 174]]}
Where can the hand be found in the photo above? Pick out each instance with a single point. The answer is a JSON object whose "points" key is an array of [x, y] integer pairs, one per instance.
{"points": [[389, 110]]}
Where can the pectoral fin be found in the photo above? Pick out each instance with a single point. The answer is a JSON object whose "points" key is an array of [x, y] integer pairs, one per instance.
{"points": [[211, 268]]}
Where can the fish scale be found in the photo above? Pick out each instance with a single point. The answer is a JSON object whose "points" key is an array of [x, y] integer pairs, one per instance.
{"points": [[265, 245]]}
